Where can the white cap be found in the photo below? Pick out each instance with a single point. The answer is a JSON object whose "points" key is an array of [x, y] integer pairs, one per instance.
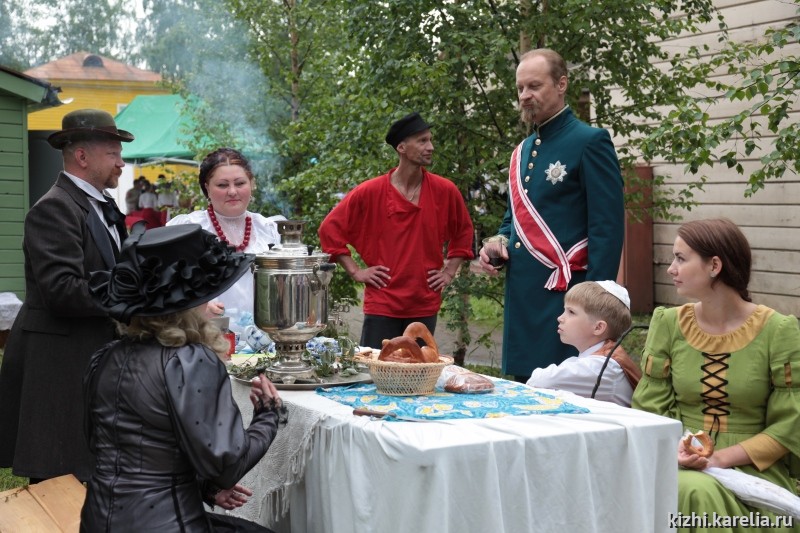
{"points": [[617, 290]]}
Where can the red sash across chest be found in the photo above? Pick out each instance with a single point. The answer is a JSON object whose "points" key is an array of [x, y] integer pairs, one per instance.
{"points": [[537, 237]]}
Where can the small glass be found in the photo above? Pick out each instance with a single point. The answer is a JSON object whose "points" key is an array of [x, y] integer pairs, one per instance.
{"points": [[493, 251]]}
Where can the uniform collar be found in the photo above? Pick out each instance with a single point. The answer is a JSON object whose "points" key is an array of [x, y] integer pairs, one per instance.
{"points": [[553, 123]]}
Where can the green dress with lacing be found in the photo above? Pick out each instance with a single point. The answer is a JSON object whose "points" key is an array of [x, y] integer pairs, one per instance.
{"points": [[732, 386]]}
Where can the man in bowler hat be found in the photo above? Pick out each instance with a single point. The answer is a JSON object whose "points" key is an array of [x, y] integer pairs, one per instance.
{"points": [[400, 223], [73, 230]]}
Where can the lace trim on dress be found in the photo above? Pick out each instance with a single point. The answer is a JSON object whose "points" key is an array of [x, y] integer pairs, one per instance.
{"points": [[233, 227], [276, 407]]}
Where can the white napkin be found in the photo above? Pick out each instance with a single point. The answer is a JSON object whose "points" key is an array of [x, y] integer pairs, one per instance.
{"points": [[757, 492]]}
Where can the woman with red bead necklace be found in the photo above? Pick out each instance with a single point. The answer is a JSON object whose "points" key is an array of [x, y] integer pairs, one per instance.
{"points": [[227, 181]]}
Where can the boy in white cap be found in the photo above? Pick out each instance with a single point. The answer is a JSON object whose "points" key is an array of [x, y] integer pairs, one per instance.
{"points": [[596, 314]]}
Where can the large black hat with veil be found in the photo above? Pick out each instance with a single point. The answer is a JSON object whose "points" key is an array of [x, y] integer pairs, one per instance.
{"points": [[167, 270]]}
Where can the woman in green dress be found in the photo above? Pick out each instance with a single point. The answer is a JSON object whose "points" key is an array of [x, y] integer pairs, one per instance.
{"points": [[728, 367]]}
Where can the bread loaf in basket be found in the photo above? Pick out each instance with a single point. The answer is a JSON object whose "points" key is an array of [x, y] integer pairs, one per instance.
{"points": [[404, 379]]}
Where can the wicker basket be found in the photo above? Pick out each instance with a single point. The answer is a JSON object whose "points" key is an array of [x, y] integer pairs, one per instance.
{"points": [[405, 379]]}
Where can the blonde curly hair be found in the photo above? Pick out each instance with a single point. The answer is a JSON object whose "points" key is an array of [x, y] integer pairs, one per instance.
{"points": [[176, 330]]}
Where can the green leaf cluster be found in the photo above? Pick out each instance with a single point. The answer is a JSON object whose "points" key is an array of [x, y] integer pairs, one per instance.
{"points": [[33, 32], [763, 76]]}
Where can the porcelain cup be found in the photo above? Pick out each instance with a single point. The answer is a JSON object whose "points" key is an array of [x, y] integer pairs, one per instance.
{"points": [[256, 338]]}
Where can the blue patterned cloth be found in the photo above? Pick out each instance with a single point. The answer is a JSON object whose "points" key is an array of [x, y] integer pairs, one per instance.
{"points": [[508, 398]]}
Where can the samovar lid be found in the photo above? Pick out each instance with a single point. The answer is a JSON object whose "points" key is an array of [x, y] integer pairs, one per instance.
{"points": [[291, 245]]}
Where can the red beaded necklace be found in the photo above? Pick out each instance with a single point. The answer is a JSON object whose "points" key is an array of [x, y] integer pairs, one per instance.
{"points": [[248, 226]]}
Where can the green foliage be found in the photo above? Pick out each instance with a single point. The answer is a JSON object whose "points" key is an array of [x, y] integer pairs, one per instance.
{"points": [[765, 78], [33, 32], [175, 33], [464, 299], [634, 342], [486, 310]]}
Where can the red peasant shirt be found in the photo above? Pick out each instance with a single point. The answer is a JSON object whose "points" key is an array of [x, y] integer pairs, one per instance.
{"points": [[386, 229]]}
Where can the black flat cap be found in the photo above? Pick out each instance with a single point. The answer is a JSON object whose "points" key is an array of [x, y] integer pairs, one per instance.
{"points": [[406, 126]]}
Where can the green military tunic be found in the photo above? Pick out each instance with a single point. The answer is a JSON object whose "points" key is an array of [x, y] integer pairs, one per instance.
{"points": [[740, 388], [572, 176]]}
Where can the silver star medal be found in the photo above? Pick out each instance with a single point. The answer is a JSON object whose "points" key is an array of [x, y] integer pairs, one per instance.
{"points": [[556, 172]]}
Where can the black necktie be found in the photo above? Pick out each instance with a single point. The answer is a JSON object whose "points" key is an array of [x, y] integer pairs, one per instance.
{"points": [[111, 212], [114, 218]]}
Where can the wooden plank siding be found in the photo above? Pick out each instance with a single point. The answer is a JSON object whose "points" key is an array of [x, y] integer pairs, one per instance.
{"points": [[771, 218], [13, 191]]}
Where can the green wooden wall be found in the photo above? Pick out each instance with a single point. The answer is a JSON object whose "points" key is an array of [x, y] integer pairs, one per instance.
{"points": [[13, 191]]}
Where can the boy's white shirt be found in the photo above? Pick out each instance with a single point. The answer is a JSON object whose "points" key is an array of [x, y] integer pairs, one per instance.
{"points": [[579, 375]]}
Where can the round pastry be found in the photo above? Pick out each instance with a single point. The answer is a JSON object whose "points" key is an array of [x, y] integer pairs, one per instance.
{"points": [[706, 444], [401, 349], [418, 330]]}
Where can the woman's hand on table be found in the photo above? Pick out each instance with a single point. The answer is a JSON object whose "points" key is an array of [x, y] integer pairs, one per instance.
{"points": [[232, 498], [263, 393]]}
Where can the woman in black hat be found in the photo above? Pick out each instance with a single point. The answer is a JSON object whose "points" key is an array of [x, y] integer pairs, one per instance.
{"points": [[160, 417]]}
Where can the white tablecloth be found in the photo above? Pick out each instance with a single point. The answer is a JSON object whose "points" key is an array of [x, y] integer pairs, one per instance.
{"points": [[9, 307], [613, 469]]}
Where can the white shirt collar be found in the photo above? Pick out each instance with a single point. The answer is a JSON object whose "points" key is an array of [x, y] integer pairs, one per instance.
{"points": [[86, 187], [592, 349]]}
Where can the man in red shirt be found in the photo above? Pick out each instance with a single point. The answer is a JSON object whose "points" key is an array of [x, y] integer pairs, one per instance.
{"points": [[400, 223]]}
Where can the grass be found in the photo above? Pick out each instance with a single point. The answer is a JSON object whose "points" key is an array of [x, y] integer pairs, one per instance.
{"points": [[8, 480]]}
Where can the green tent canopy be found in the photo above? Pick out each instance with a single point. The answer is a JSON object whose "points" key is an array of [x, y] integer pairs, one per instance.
{"points": [[159, 127]]}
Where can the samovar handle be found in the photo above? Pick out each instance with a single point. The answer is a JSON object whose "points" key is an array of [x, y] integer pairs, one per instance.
{"points": [[321, 269]]}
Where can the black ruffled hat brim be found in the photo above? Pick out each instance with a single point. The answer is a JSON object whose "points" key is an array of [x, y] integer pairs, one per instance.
{"points": [[146, 285]]}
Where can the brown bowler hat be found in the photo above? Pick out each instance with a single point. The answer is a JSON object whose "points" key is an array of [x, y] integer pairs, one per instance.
{"points": [[87, 124]]}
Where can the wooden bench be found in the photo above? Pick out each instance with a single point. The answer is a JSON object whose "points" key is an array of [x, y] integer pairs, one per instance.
{"points": [[50, 506]]}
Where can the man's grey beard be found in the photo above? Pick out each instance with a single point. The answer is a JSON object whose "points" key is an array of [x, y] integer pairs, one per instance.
{"points": [[528, 115]]}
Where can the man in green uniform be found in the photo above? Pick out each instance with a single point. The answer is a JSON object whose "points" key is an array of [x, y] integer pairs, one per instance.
{"points": [[565, 217]]}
